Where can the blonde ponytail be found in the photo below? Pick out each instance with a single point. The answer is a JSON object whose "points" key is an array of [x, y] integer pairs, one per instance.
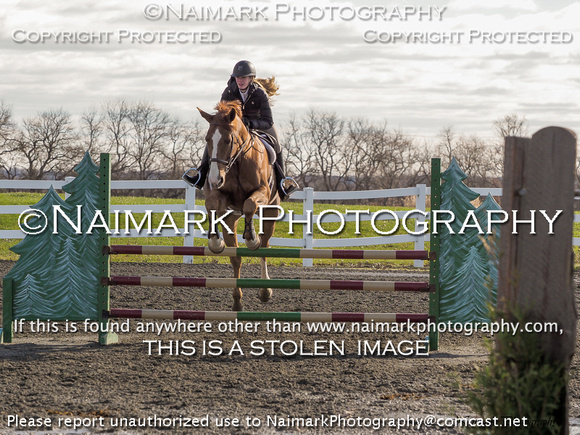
{"points": [[269, 85]]}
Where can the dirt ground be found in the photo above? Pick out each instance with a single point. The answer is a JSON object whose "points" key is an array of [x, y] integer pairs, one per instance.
{"points": [[71, 380]]}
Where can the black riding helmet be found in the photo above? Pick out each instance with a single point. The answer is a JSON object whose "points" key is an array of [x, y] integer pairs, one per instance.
{"points": [[244, 68]]}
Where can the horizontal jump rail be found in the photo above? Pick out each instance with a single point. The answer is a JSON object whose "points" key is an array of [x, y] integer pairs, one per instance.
{"points": [[353, 254], [302, 284], [266, 316]]}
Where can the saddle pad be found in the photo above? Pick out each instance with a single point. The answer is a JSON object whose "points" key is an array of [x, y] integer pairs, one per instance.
{"points": [[269, 149]]}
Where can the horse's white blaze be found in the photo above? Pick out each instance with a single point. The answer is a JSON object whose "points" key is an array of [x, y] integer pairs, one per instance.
{"points": [[214, 171], [264, 265]]}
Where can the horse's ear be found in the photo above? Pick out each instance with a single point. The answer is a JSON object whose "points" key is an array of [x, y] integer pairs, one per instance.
{"points": [[231, 116], [206, 116]]}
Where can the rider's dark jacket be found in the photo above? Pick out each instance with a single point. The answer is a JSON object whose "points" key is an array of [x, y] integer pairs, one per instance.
{"points": [[256, 108]]}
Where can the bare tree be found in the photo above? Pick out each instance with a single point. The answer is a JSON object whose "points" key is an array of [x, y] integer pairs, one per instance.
{"points": [[367, 140], [6, 122], [354, 154], [476, 157], [198, 143], [511, 125], [323, 149], [398, 158], [478, 160], [295, 142], [185, 145], [508, 125], [91, 130], [325, 131], [446, 145], [47, 144], [117, 136], [385, 159], [150, 128], [8, 159], [422, 167]]}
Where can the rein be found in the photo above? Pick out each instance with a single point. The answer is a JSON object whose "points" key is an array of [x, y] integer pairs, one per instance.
{"points": [[229, 163]]}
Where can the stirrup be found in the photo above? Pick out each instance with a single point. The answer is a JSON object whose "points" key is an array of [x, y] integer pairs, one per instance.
{"points": [[192, 180], [288, 189]]}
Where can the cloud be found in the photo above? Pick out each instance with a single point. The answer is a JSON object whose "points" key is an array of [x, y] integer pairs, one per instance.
{"points": [[324, 64], [495, 5]]}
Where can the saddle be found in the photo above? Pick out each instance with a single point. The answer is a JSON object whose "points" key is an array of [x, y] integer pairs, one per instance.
{"points": [[268, 140], [278, 181]]}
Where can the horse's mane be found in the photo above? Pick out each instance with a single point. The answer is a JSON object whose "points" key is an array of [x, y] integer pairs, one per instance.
{"points": [[224, 107]]}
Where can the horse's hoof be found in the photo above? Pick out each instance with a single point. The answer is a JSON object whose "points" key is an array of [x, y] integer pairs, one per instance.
{"points": [[264, 294], [254, 244], [237, 306], [216, 245]]}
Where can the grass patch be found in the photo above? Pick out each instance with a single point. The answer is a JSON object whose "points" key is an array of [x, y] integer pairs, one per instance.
{"points": [[518, 382]]}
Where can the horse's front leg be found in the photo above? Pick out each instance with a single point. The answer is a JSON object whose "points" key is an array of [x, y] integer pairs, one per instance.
{"points": [[232, 240], [259, 197], [215, 205]]}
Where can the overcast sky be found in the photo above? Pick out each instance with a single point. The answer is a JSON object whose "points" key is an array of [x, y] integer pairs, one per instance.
{"points": [[320, 58]]}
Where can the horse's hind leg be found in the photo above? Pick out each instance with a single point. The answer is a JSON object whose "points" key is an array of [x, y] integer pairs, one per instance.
{"points": [[232, 240], [259, 197], [266, 293]]}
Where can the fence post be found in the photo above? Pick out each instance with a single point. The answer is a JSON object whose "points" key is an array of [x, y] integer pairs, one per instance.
{"points": [[308, 230], [535, 273], [189, 239], [420, 204]]}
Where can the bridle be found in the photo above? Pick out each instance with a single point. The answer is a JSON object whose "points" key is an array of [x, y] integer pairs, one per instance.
{"points": [[229, 163]]}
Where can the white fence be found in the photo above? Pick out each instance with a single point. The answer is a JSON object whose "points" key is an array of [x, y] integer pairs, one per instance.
{"points": [[308, 196]]}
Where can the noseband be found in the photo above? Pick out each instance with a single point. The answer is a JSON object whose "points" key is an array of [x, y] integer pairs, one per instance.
{"points": [[229, 163]]}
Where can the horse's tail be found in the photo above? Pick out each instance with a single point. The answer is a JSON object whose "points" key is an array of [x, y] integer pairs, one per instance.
{"points": [[269, 85]]}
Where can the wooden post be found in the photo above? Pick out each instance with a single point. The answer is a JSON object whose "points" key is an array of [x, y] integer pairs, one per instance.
{"points": [[535, 273]]}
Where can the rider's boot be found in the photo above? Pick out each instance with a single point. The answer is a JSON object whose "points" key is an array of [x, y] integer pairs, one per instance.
{"points": [[285, 185], [198, 180]]}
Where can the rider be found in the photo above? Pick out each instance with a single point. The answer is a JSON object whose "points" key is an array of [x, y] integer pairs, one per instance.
{"points": [[257, 115]]}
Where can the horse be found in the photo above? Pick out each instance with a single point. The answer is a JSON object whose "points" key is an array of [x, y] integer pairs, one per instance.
{"points": [[241, 179]]}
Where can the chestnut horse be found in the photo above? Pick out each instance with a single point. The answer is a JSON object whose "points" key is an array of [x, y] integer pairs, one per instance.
{"points": [[240, 179]]}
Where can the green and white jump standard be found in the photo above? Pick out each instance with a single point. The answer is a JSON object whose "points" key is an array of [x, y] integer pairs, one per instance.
{"points": [[85, 272]]}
